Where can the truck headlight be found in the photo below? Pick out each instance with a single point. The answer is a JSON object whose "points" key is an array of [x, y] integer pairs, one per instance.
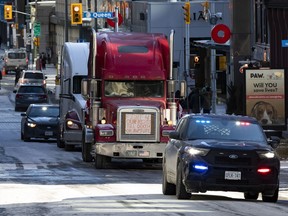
{"points": [[71, 125]]}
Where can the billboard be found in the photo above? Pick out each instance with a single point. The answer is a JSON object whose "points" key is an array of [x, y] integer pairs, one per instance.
{"points": [[265, 96]]}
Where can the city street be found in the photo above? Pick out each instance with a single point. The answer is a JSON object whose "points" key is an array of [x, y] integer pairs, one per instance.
{"points": [[37, 178]]}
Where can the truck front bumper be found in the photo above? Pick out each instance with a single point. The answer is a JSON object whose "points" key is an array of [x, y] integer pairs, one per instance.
{"points": [[130, 150]]}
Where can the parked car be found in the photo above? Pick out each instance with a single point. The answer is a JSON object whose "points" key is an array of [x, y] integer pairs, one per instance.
{"points": [[221, 153], [40, 121], [32, 77], [30, 94], [15, 59]]}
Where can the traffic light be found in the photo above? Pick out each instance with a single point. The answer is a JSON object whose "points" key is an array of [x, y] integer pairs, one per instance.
{"points": [[8, 12], [76, 13], [206, 11], [36, 41], [186, 8]]}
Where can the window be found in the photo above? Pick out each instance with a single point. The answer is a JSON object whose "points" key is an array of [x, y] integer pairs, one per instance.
{"points": [[44, 111], [134, 88], [77, 84], [261, 22], [224, 130], [132, 49], [33, 76], [16, 55], [31, 89]]}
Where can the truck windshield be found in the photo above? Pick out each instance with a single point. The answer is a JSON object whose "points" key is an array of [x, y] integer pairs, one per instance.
{"points": [[134, 88]]}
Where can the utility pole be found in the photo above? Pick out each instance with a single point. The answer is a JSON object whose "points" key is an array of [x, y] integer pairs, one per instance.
{"points": [[66, 21], [213, 69], [187, 40]]}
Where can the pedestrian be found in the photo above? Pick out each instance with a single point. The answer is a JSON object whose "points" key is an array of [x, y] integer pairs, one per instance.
{"points": [[17, 75], [178, 101], [43, 61], [194, 100], [0, 78], [206, 99]]}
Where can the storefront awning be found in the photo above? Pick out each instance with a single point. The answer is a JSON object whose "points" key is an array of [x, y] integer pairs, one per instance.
{"points": [[212, 45]]}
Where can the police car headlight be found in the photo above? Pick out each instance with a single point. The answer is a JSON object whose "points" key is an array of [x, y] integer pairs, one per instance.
{"points": [[30, 124], [266, 154], [196, 151]]}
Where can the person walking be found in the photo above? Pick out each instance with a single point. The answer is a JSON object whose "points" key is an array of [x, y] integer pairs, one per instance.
{"points": [[206, 99], [17, 75], [43, 60], [194, 100]]}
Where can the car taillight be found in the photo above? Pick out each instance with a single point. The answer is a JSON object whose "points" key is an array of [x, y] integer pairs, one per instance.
{"points": [[264, 170], [18, 96], [43, 96]]}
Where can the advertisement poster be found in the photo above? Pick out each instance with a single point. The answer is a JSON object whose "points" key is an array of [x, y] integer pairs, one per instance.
{"points": [[265, 95]]}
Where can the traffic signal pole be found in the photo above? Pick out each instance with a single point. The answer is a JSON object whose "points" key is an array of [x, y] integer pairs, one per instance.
{"points": [[187, 40], [213, 70]]}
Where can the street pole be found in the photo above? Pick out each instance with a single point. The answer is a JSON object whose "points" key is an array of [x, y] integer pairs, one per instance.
{"points": [[15, 30], [213, 69], [116, 19], [187, 53], [66, 21]]}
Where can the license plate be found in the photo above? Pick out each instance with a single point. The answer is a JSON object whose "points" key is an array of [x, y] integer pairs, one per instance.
{"points": [[144, 153], [232, 175], [131, 153], [48, 133]]}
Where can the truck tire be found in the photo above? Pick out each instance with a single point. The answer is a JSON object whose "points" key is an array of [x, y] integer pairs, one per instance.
{"points": [[100, 161], [60, 143], [86, 152], [68, 147]]}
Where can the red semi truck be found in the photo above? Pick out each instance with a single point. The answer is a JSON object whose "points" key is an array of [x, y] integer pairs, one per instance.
{"points": [[130, 91]]}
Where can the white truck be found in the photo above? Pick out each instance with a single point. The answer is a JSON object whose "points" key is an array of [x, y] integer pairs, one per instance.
{"points": [[73, 69]]}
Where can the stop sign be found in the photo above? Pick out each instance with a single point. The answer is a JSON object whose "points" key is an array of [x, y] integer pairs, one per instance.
{"points": [[111, 22]]}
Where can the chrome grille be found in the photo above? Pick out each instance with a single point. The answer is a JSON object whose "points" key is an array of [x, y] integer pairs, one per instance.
{"points": [[138, 124]]}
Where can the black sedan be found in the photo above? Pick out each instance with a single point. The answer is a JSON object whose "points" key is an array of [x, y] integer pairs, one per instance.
{"points": [[221, 153], [40, 121]]}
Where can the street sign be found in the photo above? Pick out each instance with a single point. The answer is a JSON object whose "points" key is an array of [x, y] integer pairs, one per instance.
{"points": [[37, 29], [111, 22], [89, 14]]}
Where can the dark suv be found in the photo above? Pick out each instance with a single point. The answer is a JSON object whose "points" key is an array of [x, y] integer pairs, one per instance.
{"points": [[30, 94], [221, 153]]}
